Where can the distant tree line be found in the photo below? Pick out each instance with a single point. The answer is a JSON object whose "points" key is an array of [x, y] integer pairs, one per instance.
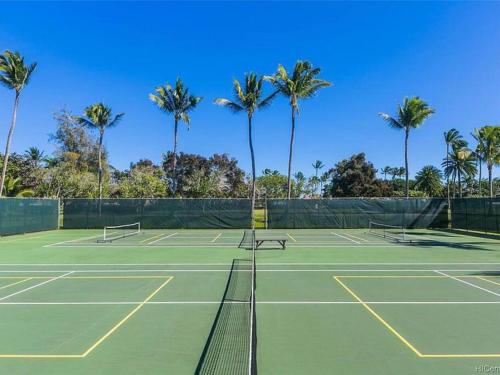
{"points": [[79, 167]]}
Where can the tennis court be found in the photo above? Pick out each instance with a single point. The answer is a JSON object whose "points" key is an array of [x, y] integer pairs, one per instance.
{"points": [[179, 301]]}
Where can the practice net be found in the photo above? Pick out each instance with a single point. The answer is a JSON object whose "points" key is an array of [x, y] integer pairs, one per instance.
{"points": [[116, 232], [393, 232], [231, 347]]}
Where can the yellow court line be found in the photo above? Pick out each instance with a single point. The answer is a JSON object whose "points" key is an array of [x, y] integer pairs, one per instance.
{"points": [[293, 239], [151, 238], [490, 281], [406, 342], [379, 318], [216, 237], [17, 282], [121, 322], [98, 342]]}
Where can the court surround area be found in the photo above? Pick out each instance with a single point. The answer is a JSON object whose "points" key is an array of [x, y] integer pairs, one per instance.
{"points": [[340, 301]]}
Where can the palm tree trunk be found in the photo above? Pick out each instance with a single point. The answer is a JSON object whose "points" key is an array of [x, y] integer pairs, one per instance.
{"points": [[291, 154], [407, 182], [9, 141], [480, 176], [448, 177], [252, 156], [174, 161], [459, 184], [101, 136], [490, 178]]}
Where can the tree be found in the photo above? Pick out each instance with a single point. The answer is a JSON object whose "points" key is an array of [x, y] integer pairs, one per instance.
{"points": [[453, 139], [489, 146], [460, 162], [14, 188], [355, 177], [15, 75], [323, 180], [248, 99], [410, 115], [144, 180], [74, 144], [428, 180], [178, 102], [302, 84], [272, 185], [317, 165], [35, 156], [98, 116], [386, 170]]}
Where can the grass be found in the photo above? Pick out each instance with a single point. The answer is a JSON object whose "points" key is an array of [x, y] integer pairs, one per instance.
{"points": [[335, 301]]}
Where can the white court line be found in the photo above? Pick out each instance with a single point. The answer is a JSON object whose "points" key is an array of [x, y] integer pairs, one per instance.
{"points": [[346, 238], [258, 302], [208, 246], [217, 237], [266, 264], [358, 238], [161, 238], [35, 286], [70, 241], [258, 270], [468, 283]]}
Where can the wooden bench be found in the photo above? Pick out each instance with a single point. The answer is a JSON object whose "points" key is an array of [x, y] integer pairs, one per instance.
{"points": [[280, 240]]}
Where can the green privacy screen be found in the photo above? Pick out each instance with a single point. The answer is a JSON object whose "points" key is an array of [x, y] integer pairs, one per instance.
{"points": [[356, 213], [23, 215], [158, 213], [476, 214]]}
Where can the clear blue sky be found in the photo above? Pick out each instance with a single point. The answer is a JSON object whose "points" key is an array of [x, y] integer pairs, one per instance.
{"points": [[374, 53]]}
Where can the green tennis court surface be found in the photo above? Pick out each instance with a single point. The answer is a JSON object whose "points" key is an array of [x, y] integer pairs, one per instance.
{"points": [[335, 301]]}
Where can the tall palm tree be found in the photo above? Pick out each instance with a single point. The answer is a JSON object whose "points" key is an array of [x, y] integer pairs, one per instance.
{"points": [[248, 99], [317, 165], [302, 84], [460, 162], [452, 138], [178, 102], [489, 139], [411, 115], [98, 116], [15, 75]]}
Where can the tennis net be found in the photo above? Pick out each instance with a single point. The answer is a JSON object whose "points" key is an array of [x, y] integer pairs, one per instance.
{"points": [[393, 232], [112, 233], [231, 347]]}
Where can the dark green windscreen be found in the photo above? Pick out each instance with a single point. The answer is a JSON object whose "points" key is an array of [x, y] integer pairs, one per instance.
{"points": [[158, 213], [356, 213], [476, 214], [23, 215]]}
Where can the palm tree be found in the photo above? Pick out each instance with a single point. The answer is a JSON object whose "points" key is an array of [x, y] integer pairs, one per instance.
{"points": [[178, 102], [35, 155], [428, 180], [479, 153], [13, 188], [314, 182], [317, 165], [15, 75], [452, 138], [386, 170], [98, 116], [489, 140], [460, 162], [302, 84], [248, 99], [411, 115]]}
